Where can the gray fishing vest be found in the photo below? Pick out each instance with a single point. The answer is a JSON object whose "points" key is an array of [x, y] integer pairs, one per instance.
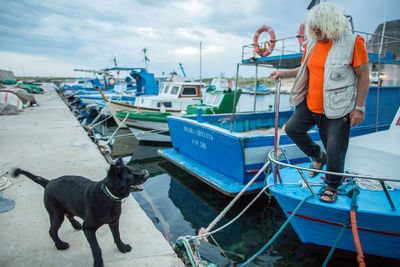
{"points": [[340, 81]]}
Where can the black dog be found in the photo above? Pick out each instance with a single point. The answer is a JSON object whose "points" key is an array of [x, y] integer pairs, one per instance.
{"points": [[96, 203]]}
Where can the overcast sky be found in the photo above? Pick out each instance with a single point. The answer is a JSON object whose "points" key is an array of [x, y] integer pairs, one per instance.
{"points": [[51, 37]]}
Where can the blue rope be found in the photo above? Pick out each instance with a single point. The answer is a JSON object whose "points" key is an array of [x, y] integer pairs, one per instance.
{"points": [[353, 193], [188, 251], [345, 225], [277, 233], [187, 248]]}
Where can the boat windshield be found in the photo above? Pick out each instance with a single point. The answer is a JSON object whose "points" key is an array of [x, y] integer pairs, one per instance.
{"points": [[174, 90], [165, 89], [212, 99]]}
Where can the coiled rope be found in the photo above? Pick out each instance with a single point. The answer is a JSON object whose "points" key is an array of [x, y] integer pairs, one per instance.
{"points": [[374, 185]]}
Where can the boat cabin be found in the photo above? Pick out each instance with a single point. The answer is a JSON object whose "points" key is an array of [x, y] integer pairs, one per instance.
{"points": [[173, 96], [216, 101]]}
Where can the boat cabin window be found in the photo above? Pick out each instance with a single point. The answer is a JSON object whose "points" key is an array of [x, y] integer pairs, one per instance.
{"points": [[81, 82], [174, 90], [165, 104], [189, 91], [166, 88], [390, 75], [387, 76]]}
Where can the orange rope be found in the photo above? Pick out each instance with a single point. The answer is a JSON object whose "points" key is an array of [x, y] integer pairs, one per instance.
{"points": [[360, 254]]}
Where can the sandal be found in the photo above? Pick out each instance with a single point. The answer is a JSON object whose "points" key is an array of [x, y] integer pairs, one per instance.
{"points": [[330, 193], [321, 161]]}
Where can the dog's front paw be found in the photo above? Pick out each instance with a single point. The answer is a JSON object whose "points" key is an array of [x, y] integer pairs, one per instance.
{"points": [[62, 245], [124, 247]]}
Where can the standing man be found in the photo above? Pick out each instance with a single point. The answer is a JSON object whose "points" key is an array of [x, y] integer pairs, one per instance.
{"points": [[330, 90]]}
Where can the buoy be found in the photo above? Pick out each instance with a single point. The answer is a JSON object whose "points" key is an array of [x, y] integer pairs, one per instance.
{"points": [[266, 50]]}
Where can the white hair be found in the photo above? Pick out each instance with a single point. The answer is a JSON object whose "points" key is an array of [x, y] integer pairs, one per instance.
{"points": [[329, 18]]}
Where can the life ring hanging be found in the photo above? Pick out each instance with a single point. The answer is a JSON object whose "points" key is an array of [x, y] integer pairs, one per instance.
{"points": [[266, 50], [301, 37], [112, 81]]}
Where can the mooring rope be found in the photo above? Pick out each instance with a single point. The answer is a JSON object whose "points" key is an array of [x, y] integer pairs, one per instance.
{"points": [[345, 226], [278, 232], [234, 219], [119, 127], [193, 239], [233, 201], [98, 123], [164, 130], [5, 181]]}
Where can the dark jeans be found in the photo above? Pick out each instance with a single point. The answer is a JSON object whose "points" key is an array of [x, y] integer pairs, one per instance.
{"points": [[334, 134]]}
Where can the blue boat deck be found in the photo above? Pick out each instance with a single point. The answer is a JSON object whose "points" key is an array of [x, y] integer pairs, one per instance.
{"points": [[220, 182], [320, 223]]}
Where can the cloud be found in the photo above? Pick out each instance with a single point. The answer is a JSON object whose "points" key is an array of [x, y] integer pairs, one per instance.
{"points": [[30, 65], [90, 33]]}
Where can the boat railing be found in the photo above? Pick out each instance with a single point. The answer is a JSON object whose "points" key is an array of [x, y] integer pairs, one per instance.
{"points": [[375, 42], [283, 46], [282, 160], [378, 43]]}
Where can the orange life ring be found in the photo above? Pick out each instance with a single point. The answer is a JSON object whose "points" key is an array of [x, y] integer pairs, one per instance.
{"points": [[301, 37], [265, 51], [112, 81]]}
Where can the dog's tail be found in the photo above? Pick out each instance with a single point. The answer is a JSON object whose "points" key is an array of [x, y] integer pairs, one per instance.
{"points": [[40, 180]]}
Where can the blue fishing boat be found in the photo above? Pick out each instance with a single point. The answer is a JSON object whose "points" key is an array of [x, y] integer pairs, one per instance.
{"points": [[205, 146], [139, 82], [372, 196], [78, 84], [225, 151]]}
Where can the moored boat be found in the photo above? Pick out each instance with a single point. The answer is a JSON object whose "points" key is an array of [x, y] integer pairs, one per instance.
{"points": [[204, 158], [147, 118], [373, 194]]}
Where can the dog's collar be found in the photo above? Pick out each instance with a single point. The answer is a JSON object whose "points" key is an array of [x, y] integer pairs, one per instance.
{"points": [[108, 193]]}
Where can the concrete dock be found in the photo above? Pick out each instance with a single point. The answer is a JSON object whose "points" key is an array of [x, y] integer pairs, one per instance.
{"points": [[48, 141]]}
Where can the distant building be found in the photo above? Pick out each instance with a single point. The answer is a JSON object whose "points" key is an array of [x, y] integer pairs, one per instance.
{"points": [[6, 74], [392, 29]]}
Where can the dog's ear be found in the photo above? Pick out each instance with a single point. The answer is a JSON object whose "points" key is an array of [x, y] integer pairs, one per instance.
{"points": [[113, 170], [114, 167]]}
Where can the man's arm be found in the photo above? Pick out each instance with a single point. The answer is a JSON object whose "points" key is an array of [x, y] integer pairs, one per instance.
{"points": [[284, 73], [362, 73]]}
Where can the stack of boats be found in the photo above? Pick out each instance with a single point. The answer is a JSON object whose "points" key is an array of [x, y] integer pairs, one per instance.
{"points": [[14, 96], [147, 117], [86, 95]]}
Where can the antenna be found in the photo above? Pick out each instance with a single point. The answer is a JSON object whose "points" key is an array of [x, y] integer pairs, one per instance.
{"points": [[145, 58], [200, 60]]}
